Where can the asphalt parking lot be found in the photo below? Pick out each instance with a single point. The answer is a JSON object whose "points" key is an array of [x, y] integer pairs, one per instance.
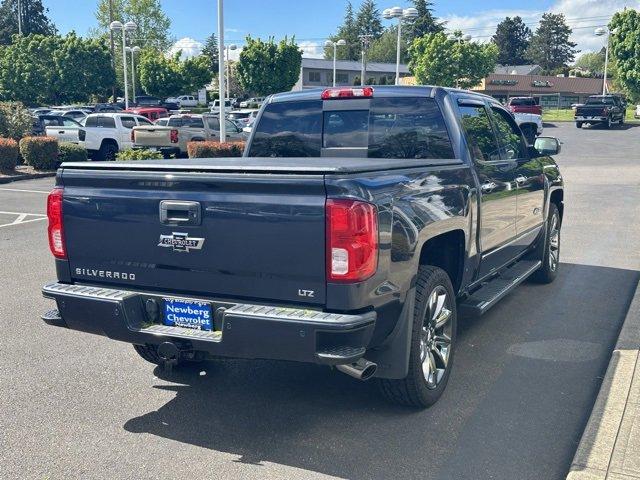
{"points": [[525, 378]]}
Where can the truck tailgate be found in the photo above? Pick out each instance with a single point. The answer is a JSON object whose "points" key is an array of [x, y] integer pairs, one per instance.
{"points": [[153, 137], [259, 236]]}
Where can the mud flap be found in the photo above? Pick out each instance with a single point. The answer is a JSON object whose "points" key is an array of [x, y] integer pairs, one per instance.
{"points": [[392, 356]]}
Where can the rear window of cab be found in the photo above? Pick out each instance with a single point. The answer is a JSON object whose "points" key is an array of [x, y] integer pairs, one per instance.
{"points": [[388, 127]]}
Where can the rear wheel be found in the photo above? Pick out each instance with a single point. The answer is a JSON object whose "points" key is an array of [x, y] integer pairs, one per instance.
{"points": [[108, 151], [579, 124], [608, 123], [432, 342]]}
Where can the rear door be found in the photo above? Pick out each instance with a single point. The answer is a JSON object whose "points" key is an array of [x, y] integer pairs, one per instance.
{"points": [[498, 189], [236, 235]]}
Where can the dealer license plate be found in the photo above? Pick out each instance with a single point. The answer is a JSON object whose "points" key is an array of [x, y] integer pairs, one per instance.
{"points": [[187, 314]]}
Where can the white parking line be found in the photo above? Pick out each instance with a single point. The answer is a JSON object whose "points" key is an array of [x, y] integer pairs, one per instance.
{"points": [[23, 190], [21, 218]]}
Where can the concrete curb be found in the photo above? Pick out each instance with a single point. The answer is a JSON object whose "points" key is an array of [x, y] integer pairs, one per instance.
{"points": [[610, 444], [29, 176]]}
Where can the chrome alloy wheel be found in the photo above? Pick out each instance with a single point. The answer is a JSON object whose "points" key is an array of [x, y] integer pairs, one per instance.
{"points": [[435, 339], [554, 244]]}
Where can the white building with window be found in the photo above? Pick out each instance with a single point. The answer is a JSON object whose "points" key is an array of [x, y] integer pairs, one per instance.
{"points": [[317, 72]]}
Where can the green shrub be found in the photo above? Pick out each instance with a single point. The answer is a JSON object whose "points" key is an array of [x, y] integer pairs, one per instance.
{"points": [[40, 152], [139, 154], [15, 120], [71, 152], [8, 153], [215, 149]]}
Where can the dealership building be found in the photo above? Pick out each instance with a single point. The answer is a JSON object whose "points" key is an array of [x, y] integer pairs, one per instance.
{"points": [[549, 92]]}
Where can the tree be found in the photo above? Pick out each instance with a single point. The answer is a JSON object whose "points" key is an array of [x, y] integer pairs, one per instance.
{"points": [[45, 69], [512, 39], [624, 50], [368, 19], [348, 32], [438, 60], [591, 63], [266, 67], [425, 23], [384, 49], [34, 19], [196, 73], [550, 46], [153, 24], [210, 50], [160, 75]]}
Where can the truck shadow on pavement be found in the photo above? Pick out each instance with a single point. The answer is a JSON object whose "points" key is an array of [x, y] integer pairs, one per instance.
{"points": [[504, 402]]}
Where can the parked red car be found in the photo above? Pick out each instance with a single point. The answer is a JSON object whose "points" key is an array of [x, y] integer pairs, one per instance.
{"points": [[524, 105], [152, 113]]}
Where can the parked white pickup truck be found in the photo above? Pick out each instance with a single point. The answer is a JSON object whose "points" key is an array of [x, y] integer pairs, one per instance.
{"points": [[530, 124], [184, 101], [105, 134], [173, 138]]}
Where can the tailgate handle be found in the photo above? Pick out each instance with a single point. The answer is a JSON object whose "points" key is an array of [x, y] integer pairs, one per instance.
{"points": [[175, 212]]}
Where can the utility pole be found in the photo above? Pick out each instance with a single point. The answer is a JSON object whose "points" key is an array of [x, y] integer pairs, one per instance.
{"points": [[221, 89], [366, 40], [19, 18], [113, 49]]}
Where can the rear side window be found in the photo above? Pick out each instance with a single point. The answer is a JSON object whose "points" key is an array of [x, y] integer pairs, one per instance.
{"points": [[98, 121], [91, 121], [194, 122], [128, 122], [289, 129], [400, 127], [213, 123], [175, 122], [479, 133]]}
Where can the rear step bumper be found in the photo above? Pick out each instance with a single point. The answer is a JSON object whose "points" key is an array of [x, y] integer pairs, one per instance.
{"points": [[245, 330]]}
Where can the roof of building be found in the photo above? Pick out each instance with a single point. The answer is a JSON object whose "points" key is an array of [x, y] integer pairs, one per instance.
{"points": [[539, 84], [517, 69], [321, 63]]}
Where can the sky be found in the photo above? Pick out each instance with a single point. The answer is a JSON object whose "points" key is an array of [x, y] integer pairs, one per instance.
{"points": [[311, 21]]}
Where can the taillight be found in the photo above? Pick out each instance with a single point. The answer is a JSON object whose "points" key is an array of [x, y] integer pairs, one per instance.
{"points": [[337, 93], [352, 240], [174, 136], [82, 135], [56, 228]]}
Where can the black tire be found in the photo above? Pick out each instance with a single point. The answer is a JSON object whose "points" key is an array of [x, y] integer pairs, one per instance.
{"points": [[608, 123], [414, 390], [548, 271], [108, 151], [579, 124], [149, 353]]}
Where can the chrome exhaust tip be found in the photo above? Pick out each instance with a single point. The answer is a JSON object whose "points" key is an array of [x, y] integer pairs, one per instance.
{"points": [[362, 369]]}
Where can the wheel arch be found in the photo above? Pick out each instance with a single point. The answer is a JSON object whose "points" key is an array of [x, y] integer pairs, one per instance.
{"points": [[446, 251]]}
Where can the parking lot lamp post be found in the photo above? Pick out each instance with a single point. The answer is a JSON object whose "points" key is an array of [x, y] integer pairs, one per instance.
{"points": [[221, 89], [134, 51], [600, 32], [407, 15], [233, 46], [335, 45], [117, 26]]}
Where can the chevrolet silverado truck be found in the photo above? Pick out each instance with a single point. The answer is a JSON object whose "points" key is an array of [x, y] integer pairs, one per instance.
{"points": [[357, 227], [601, 109]]}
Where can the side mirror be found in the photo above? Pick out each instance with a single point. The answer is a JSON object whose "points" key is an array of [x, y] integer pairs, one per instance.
{"points": [[547, 145]]}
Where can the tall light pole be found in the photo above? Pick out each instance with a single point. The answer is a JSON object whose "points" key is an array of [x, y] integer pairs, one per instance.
{"points": [[600, 32], [233, 46], [335, 46], [112, 49], [365, 39], [407, 15], [460, 38], [133, 51], [19, 18], [221, 90], [127, 27]]}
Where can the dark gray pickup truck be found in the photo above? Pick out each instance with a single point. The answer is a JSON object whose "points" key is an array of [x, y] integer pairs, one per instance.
{"points": [[359, 225]]}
